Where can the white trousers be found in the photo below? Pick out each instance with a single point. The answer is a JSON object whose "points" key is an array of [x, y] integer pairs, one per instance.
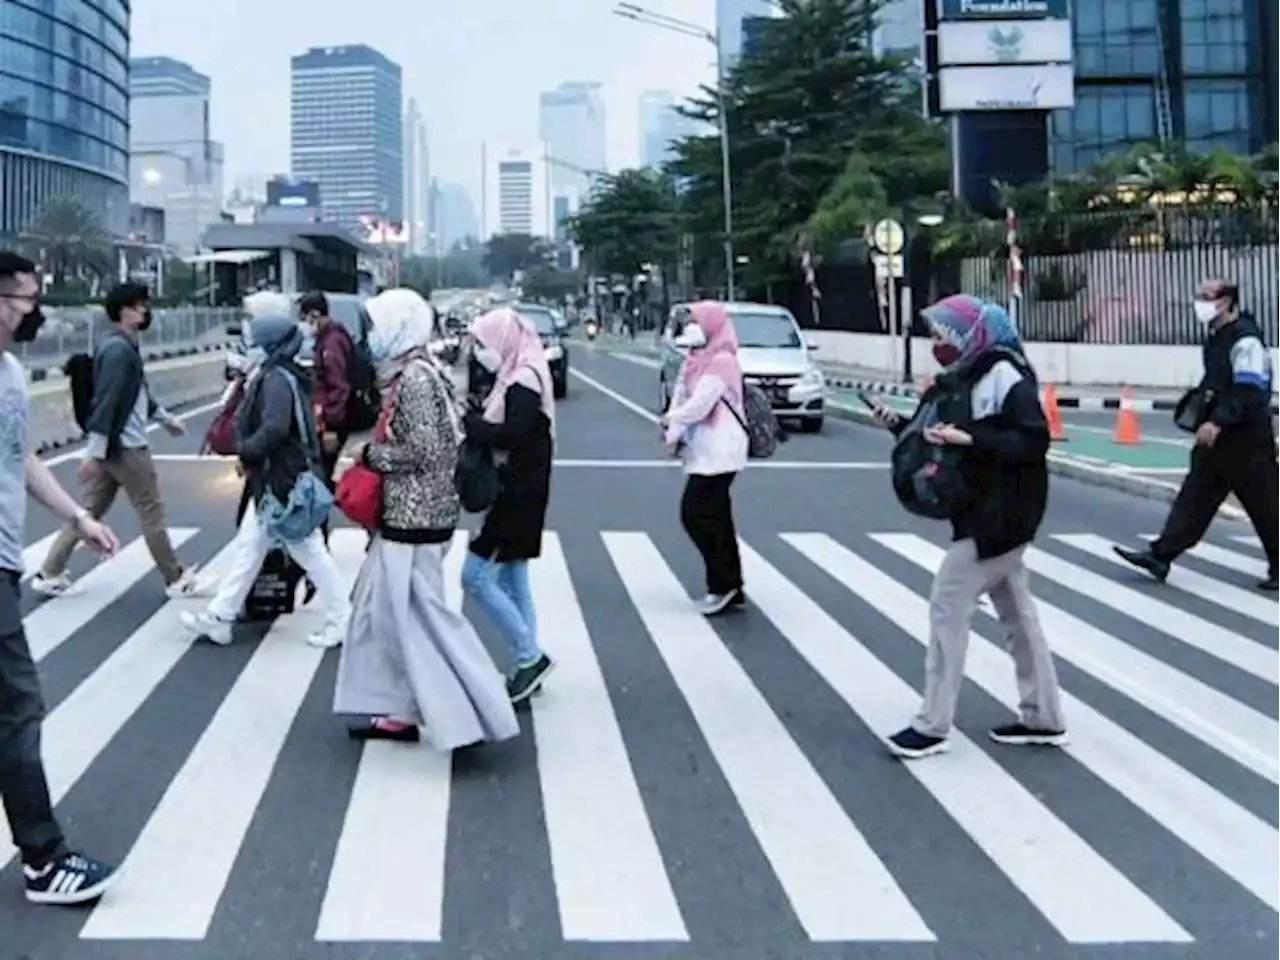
{"points": [[250, 549]]}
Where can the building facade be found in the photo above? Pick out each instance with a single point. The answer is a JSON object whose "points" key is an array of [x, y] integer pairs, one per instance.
{"points": [[174, 163], [64, 110], [661, 126], [1199, 71], [453, 214], [347, 132], [417, 182], [732, 24], [519, 192], [571, 122]]}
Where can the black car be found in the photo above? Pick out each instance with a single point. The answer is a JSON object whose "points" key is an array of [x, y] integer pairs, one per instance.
{"points": [[553, 341]]}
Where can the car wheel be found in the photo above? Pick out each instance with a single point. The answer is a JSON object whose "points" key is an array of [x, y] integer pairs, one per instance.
{"points": [[811, 425]]}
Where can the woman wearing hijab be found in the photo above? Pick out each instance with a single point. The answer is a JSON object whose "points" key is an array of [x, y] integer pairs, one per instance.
{"points": [[277, 447], [705, 427], [988, 402], [518, 423], [411, 661]]}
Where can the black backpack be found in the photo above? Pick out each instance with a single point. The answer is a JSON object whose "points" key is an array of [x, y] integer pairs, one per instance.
{"points": [[929, 478], [476, 477], [79, 370]]}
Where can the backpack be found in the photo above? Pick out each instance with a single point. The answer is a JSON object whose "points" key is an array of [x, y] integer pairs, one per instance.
{"points": [[476, 477], [929, 478], [364, 403], [79, 370], [764, 431]]}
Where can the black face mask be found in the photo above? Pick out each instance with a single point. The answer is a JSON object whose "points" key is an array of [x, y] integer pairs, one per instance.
{"points": [[146, 319], [29, 326]]}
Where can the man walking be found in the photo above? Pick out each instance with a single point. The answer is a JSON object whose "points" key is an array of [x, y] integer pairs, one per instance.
{"points": [[118, 455], [53, 873], [333, 358], [1235, 443]]}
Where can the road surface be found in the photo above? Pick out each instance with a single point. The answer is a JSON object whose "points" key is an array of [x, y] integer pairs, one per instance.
{"points": [[682, 789]]}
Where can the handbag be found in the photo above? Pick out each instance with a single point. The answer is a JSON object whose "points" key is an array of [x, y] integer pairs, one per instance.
{"points": [[1192, 409], [310, 499], [359, 493], [221, 437]]}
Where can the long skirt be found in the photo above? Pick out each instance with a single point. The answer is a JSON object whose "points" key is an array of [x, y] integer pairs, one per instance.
{"points": [[410, 657]]}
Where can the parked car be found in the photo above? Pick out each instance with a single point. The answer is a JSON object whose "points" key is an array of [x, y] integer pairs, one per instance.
{"points": [[346, 308], [775, 356], [553, 335]]}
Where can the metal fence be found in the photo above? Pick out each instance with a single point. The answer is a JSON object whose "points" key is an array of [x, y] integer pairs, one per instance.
{"points": [[1128, 277], [69, 330]]}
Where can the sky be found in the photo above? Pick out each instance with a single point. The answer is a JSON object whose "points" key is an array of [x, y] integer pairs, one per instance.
{"points": [[476, 67]]}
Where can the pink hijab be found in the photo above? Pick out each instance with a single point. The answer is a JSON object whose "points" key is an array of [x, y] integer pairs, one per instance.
{"points": [[515, 339], [720, 356]]}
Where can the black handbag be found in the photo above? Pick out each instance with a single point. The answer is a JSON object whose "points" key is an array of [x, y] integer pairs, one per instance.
{"points": [[476, 478], [1192, 409]]}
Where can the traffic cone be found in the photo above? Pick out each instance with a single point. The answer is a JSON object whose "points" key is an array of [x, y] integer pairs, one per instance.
{"points": [[1126, 431], [1052, 414]]}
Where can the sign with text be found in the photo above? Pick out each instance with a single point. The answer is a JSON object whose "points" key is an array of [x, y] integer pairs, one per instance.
{"points": [[974, 43], [1012, 87], [1004, 9]]}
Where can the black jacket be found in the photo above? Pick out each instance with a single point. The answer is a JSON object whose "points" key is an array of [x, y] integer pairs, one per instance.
{"points": [[513, 526], [1237, 377], [272, 447], [117, 377], [1006, 468]]}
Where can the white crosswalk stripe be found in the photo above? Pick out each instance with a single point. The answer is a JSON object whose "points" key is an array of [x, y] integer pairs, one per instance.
{"points": [[1195, 658]]}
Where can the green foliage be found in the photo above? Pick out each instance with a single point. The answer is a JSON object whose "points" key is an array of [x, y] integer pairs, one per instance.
{"points": [[551, 283], [631, 218], [856, 199], [70, 245], [508, 253]]}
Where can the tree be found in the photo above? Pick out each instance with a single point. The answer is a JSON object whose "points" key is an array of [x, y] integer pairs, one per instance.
{"points": [[811, 92], [552, 283], [856, 199], [632, 219], [70, 245], [508, 253]]}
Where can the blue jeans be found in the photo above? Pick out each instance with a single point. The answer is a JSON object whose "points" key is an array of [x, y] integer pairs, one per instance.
{"points": [[502, 590]]}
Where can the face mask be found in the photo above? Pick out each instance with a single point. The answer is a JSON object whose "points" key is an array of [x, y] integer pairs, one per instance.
{"points": [[692, 337], [1206, 312], [945, 354], [29, 326], [490, 359]]}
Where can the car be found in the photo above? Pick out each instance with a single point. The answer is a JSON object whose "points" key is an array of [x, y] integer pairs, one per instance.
{"points": [[774, 354], [552, 333], [346, 308]]}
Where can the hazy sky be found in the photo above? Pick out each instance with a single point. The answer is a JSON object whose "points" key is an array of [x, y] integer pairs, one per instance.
{"points": [[475, 66]]}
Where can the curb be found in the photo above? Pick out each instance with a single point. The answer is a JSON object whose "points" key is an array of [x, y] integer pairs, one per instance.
{"points": [[1060, 465], [46, 374]]}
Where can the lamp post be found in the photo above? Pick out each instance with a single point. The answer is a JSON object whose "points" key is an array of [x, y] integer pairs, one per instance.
{"points": [[631, 11]]}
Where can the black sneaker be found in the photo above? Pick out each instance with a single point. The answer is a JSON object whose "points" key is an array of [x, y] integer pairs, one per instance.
{"points": [[1020, 735], [1145, 560], [1269, 583], [911, 744], [528, 679], [72, 878]]}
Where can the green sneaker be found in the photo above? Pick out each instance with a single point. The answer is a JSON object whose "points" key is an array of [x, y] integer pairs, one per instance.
{"points": [[528, 678]]}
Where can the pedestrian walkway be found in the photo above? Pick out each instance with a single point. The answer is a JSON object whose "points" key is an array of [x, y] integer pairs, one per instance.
{"points": [[245, 812]]}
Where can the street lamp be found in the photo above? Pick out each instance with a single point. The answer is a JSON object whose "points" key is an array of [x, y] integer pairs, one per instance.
{"points": [[631, 11]]}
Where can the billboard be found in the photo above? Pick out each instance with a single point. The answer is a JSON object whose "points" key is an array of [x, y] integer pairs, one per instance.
{"points": [[975, 43], [1006, 87], [282, 192], [1004, 9]]}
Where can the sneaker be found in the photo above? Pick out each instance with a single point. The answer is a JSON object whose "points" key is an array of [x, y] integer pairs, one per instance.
{"points": [[205, 626], [528, 679], [1020, 735], [1145, 560], [189, 585], [714, 603], [1269, 583], [72, 878], [329, 636], [59, 586], [911, 744]]}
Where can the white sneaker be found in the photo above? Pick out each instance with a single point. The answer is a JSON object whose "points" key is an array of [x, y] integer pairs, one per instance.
{"points": [[205, 626], [189, 586], [59, 586], [330, 636]]}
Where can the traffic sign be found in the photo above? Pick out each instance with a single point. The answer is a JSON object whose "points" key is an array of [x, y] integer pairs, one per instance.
{"points": [[887, 266], [887, 236]]}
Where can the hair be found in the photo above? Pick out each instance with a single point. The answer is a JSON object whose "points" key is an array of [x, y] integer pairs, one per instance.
{"points": [[11, 265], [313, 302], [123, 296]]}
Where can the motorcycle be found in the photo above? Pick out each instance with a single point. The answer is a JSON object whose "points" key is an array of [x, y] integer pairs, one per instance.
{"points": [[591, 328]]}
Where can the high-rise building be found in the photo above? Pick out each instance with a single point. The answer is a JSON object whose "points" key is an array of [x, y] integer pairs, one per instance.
{"points": [[661, 126], [518, 192], [347, 132], [453, 215], [731, 24], [571, 122], [417, 182], [174, 163], [64, 111]]}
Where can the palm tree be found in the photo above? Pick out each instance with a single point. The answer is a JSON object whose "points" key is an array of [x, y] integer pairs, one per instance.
{"points": [[69, 243]]}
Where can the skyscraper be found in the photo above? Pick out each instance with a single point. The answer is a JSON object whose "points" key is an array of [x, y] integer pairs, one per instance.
{"points": [[730, 18], [453, 215], [660, 126], [571, 122], [417, 182], [174, 163], [519, 191], [348, 132]]}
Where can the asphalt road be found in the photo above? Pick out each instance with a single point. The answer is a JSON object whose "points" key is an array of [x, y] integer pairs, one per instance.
{"points": [[684, 790]]}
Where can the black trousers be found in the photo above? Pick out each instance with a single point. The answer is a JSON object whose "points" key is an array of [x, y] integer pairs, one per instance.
{"points": [[23, 786], [706, 511], [1241, 462]]}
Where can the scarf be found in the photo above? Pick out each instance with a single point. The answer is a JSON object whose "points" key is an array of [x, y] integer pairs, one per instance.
{"points": [[972, 326], [279, 338], [515, 340], [719, 357]]}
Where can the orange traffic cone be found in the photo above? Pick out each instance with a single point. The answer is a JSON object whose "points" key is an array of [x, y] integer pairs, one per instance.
{"points": [[1052, 414], [1126, 431]]}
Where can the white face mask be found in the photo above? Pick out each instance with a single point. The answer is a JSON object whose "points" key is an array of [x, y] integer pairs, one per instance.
{"points": [[1205, 312], [488, 358], [691, 337]]}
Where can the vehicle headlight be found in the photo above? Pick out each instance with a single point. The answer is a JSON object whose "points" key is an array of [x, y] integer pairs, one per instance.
{"points": [[812, 378], [555, 352]]}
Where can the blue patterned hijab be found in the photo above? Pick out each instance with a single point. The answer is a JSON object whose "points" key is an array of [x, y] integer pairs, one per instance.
{"points": [[972, 326]]}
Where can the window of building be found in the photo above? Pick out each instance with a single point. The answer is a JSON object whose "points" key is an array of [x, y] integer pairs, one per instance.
{"points": [[1218, 115], [1104, 121], [1116, 39], [1214, 37]]}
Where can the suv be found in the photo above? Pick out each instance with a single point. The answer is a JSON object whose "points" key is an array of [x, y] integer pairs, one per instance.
{"points": [[774, 355], [346, 308], [551, 329]]}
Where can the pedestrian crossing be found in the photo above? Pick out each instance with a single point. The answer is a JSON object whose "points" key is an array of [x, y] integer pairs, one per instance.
{"points": [[1166, 791]]}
